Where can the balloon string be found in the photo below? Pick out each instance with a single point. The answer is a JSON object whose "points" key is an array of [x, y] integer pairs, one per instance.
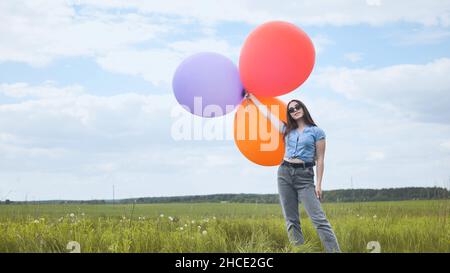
{"points": [[247, 98], [276, 122]]}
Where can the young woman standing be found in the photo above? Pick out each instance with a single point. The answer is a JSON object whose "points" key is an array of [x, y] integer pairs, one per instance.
{"points": [[304, 147]]}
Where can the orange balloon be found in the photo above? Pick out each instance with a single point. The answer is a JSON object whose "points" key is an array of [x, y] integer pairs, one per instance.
{"points": [[276, 58], [257, 138]]}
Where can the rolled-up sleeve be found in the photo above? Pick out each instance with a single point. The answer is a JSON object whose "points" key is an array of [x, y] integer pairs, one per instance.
{"points": [[319, 134]]}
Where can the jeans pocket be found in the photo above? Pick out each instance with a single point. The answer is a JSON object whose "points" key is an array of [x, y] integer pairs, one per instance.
{"points": [[305, 173]]}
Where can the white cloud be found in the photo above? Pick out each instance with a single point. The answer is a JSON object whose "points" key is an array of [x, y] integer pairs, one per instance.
{"points": [[320, 42], [69, 115], [79, 145], [423, 36], [63, 140], [158, 65], [6, 138], [189, 47], [36, 32], [39, 31], [126, 43], [446, 145], [47, 90], [318, 12], [373, 2], [353, 57], [375, 155], [421, 92], [137, 37]]}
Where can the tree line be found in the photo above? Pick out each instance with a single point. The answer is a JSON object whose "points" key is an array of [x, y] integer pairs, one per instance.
{"points": [[332, 196]]}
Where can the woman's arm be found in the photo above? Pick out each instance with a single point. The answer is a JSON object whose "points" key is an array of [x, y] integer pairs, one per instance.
{"points": [[277, 123], [320, 154]]}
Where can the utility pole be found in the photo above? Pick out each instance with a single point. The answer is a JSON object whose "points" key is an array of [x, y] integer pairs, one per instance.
{"points": [[114, 197]]}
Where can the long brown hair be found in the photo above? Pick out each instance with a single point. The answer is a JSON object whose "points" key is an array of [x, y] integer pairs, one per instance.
{"points": [[291, 123]]}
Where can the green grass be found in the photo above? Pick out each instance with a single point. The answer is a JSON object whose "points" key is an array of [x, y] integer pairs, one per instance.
{"points": [[407, 226]]}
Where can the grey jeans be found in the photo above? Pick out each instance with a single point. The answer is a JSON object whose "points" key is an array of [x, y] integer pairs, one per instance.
{"points": [[297, 185]]}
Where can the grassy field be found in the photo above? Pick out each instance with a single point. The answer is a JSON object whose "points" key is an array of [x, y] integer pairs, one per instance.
{"points": [[407, 226]]}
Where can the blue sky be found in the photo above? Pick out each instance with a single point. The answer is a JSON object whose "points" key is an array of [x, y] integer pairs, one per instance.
{"points": [[86, 99]]}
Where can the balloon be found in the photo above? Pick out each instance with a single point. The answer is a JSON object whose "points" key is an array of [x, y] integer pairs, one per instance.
{"points": [[256, 136], [208, 84], [276, 58]]}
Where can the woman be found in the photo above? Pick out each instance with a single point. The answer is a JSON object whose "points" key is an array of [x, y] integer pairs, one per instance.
{"points": [[305, 145]]}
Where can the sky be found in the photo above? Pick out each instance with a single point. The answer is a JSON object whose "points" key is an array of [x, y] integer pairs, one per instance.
{"points": [[86, 99]]}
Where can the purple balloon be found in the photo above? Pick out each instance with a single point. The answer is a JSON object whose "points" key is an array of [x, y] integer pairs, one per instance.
{"points": [[213, 80]]}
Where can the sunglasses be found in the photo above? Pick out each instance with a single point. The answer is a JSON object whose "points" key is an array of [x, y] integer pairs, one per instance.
{"points": [[294, 109]]}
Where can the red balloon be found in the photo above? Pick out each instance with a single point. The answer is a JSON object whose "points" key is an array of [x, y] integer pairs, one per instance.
{"points": [[276, 58]]}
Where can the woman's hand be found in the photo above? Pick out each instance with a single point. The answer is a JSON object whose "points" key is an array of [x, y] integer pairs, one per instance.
{"points": [[319, 192], [320, 155], [279, 124]]}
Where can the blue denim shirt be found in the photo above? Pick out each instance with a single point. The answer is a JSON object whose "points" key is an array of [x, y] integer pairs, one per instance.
{"points": [[302, 145]]}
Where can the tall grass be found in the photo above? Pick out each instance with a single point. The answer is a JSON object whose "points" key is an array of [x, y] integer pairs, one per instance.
{"points": [[409, 226]]}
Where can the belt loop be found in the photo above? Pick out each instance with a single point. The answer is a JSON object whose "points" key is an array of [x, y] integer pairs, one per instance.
{"points": [[304, 165]]}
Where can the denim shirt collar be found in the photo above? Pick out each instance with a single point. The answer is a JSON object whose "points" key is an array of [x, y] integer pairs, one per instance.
{"points": [[304, 129]]}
